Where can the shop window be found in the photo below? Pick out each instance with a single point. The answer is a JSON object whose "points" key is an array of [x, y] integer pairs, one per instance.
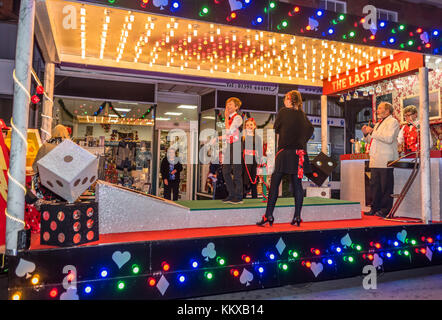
{"points": [[387, 15], [333, 5]]}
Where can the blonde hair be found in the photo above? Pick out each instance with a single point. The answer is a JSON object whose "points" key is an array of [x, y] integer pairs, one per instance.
{"points": [[236, 101], [295, 99], [410, 109], [60, 131]]}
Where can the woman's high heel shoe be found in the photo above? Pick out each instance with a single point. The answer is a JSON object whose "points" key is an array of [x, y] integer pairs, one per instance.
{"points": [[264, 220], [296, 221]]}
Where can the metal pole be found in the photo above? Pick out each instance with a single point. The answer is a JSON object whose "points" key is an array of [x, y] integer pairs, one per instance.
{"points": [[20, 117], [324, 125], [46, 121], [424, 145]]}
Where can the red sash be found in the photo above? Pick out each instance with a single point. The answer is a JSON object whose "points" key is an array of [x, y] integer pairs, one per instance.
{"points": [[234, 137]]}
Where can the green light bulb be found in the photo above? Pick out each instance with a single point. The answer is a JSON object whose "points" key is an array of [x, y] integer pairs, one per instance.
{"points": [[120, 285], [135, 269], [341, 17], [272, 5], [284, 23], [209, 275], [352, 34], [401, 27]]}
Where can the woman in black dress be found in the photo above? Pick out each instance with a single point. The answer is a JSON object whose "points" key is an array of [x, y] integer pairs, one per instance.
{"points": [[293, 130]]}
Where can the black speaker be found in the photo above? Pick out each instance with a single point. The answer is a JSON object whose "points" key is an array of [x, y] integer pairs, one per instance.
{"points": [[69, 224], [322, 166]]}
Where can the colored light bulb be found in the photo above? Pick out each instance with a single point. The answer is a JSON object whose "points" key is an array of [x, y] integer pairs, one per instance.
{"points": [[331, 31], [382, 24], [104, 273], [271, 255], [401, 27], [35, 279], [208, 275], [319, 13], [221, 261], [53, 293], [395, 243], [87, 289], [181, 278], [234, 272], [151, 281], [260, 269], [341, 17], [272, 5], [388, 255], [165, 266], [329, 261], [121, 285], [16, 296], [352, 34], [135, 269]]}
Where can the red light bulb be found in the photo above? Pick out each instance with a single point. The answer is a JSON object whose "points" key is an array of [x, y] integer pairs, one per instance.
{"points": [[308, 264], [35, 99], [165, 265], [53, 293], [234, 272], [246, 258], [40, 89], [151, 281]]}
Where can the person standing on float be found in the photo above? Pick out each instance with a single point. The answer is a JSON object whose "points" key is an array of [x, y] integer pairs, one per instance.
{"points": [[293, 130]]}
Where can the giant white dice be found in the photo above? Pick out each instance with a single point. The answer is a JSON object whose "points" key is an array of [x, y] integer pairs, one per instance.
{"points": [[68, 170]]}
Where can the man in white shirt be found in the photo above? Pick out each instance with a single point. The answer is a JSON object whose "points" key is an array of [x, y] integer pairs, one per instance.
{"points": [[383, 149], [232, 152]]}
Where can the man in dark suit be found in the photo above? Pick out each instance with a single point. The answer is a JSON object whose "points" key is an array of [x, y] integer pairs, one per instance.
{"points": [[170, 173]]}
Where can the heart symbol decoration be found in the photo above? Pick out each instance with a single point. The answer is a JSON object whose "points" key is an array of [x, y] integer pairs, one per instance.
{"points": [[377, 261], [209, 251], [235, 5], [120, 258], [316, 268], [401, 236], [24, 268], [246, 277], [346, 240]]}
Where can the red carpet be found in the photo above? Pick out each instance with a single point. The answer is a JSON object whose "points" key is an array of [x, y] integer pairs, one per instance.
{"points": [[366, 221]]}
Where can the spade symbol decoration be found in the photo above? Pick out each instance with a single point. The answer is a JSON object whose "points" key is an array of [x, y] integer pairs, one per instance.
{"points": [[160, 3], [246, 277]]}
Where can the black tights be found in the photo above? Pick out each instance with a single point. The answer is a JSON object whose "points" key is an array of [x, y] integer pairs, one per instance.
{"points": [[298, 193]]}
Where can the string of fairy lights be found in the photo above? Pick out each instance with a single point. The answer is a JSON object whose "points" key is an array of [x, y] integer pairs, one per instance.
{"points": [[183, 44]]}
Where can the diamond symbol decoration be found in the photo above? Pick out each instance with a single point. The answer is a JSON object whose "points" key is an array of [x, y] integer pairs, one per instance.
{"points": [[280, 246], [429, 254], [162, 285]]}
